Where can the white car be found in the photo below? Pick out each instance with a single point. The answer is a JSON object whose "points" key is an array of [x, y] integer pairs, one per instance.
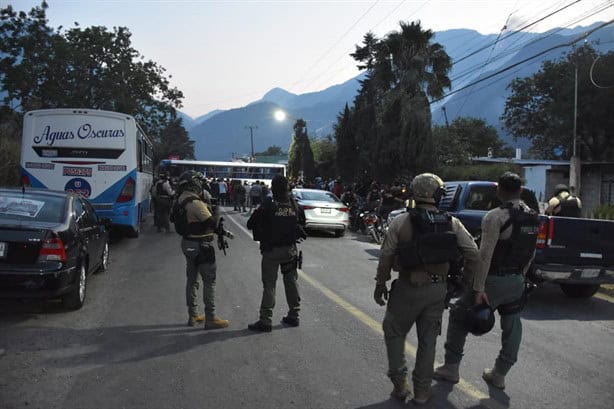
{"points": [[323, 210]]}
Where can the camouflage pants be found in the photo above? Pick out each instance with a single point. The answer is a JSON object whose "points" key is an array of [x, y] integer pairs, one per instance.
{"points": [[409, 304]]}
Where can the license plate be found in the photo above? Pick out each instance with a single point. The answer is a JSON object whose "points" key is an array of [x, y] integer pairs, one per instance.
{"points": [[324, 210], [3, 248], [590, 273]]}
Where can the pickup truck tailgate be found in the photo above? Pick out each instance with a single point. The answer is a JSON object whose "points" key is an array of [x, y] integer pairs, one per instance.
{"points": [[579, 242]]}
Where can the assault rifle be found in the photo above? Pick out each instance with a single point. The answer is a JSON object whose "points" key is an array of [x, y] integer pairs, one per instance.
{"points": [[222, 234]]}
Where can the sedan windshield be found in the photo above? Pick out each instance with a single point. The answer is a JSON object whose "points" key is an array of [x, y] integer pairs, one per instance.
{"points": [[322, 196], [49, 209]]}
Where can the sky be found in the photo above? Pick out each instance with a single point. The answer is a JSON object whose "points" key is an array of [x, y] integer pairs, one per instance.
{"points": [[226, 54]]}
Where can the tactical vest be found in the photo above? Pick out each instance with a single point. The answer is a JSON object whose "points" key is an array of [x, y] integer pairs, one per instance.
{"points": [[513, 254], [569, 207], [160, 189], [284, 223], [433, 240]]}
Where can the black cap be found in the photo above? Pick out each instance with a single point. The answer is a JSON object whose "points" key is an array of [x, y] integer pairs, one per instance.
{"points": [[510, 182], [279, 185], [560, 188]]}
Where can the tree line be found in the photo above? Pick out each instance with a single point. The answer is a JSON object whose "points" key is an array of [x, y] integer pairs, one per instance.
{"points": [[387, 133], [94, 67]]}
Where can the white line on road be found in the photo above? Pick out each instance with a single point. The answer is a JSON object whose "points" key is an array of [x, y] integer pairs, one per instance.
{"points": [[464, 386]]}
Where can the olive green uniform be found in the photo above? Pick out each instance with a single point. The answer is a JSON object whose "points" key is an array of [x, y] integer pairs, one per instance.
{"points": [[416, 298], [193, 246], [279, 258], [500, 289]]}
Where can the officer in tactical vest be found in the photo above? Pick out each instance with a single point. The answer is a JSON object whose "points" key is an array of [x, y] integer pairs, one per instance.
{"points": [[420, 245], [277, 225], [509, 234], [164, 196], [197, 246], [563, 203]]}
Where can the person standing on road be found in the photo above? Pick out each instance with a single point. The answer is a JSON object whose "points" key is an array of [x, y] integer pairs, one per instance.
{"points": [[563, 203], [420, 245], [255, 194], [197, 247], [164, 198], [509, 235], [277, 225], [239, 196], [223, 192]]}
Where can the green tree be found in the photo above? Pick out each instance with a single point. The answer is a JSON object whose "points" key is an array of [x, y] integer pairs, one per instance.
{"points": [[324, 154], [391, 113], [541, 106], [467, 137], [345, 155], [81, 67], [10, 146], [271, 151], [173, 140]]}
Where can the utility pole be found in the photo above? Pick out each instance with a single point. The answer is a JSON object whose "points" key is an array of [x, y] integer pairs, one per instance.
{"points": [[251, 136], [575, 166], [445, 115]]}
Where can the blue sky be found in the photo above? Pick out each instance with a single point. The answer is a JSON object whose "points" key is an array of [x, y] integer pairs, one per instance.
{"points": [[225, 54]]}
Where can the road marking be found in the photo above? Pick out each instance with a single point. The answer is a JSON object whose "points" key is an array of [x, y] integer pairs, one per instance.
{"points": [[604, 297], [464, 386]]}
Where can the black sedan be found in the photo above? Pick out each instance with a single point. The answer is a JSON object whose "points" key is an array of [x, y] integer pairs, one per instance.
{"points": [[49, 243]]}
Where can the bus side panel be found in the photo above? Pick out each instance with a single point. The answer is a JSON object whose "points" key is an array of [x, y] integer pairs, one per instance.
{"points": [[143, 187], [106, 205]]}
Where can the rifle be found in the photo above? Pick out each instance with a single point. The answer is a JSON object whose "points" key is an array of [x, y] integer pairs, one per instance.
{"points": [[222, 234]]}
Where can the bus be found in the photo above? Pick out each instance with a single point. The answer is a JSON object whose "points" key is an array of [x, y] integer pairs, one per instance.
{"points": [[103, 156], [243, 171]]}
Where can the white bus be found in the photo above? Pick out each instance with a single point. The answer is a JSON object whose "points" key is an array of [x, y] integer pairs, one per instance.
{"points": [[243, 171], [102, 155]]}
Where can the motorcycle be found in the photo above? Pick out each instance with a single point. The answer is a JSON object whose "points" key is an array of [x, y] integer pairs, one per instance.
{"points": [[373, 226]]}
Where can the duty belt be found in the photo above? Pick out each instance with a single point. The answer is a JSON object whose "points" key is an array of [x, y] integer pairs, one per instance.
{"points": [[207, 239]]}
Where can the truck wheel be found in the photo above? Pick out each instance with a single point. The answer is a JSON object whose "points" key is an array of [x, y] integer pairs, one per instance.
{"points": [[579, 290]]}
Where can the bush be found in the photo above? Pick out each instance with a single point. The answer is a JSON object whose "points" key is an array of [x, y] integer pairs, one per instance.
{"points": [[604, 212], [477, 172]]}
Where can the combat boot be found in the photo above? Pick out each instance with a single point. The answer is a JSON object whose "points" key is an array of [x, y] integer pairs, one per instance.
{"points": [[401, 388], [422, 395], [291, 321], [494, 378], [216, 323], [194, 320], [447, 372], [260, 326]]}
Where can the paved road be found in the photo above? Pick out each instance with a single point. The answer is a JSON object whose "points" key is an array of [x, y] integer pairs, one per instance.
{"points": [[129, 346]]}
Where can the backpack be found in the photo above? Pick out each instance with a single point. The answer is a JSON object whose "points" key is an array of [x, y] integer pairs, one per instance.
{"points": [[179, 215]]}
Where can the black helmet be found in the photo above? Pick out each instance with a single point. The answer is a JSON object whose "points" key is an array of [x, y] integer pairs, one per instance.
{"points": [[477, 319], [191, 180]]}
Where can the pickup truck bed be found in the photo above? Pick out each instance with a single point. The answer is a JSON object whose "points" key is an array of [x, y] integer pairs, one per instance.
{"points": [[574, 252]]}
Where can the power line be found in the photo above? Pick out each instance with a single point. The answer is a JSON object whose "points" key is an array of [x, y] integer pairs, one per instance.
{"points": [[568, 44], [336, 43]]}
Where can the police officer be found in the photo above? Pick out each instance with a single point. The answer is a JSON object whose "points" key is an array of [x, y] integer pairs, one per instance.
{"points": [[420, 245], [164, 196], [563, 203], [197, 246], [509, 234], [277, 225]]}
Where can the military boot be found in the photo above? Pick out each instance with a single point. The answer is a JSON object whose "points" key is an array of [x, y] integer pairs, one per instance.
{"points": [[216, 323], [401, 388], [494, 378], [447, 372], [422, 395], [194, 320]]}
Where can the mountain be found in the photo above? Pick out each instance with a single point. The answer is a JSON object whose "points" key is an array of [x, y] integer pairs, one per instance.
{"points": [[220, 134], [224, 134]]}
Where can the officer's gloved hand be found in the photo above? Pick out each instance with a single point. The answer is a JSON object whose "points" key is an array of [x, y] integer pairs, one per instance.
{"points": [[380, 294]]}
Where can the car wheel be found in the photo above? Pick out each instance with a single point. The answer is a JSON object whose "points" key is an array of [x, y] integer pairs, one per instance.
{"points": [[579, 290], [76, 297], [339, 233], [104, 258]]}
